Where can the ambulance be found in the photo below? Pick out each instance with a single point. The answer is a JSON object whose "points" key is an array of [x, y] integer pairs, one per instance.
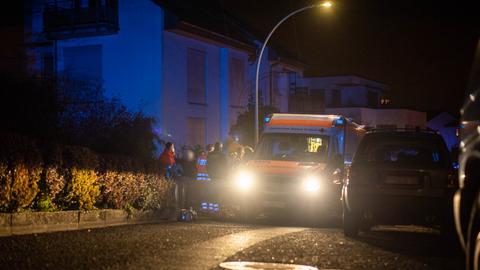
{"points": [[297, 166]]}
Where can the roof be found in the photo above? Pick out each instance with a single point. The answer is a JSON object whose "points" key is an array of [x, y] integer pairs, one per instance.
{"points": [[191, 30], [304, 120], [208, 20], [346, 80], [207, 15]]}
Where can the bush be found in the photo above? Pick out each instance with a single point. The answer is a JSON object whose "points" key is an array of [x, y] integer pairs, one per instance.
{"points": [[120, 188], [5, 186], [24, 186], [72, 177], [157, 193], [54, 182], [21, 168], [82, 189]]}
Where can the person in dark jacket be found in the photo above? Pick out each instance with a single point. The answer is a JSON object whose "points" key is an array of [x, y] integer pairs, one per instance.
{"points": [[217, 162]]}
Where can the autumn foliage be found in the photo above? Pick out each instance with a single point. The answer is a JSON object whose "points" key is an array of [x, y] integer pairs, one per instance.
{"points": [[40, 176]]}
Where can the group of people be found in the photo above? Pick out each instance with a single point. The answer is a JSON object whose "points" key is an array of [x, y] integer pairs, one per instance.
{"points": [[203, 165], [211, 163]]}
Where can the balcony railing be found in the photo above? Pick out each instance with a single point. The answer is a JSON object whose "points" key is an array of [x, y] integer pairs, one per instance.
{"points": [[69, 18]]}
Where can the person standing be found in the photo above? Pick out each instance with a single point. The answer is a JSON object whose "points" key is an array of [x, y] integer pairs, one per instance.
{"points": [[187, 163], [201, 166], [217, 162], [167, 160], [217, 167]]}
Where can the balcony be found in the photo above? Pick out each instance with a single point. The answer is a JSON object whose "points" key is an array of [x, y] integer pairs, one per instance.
{"points": [[75, 18]]}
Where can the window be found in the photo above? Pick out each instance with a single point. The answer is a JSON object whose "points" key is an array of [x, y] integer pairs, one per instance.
{"points": [[293, 147], [196, 129], [403, 151], [385, 101], [236, 70], [196, 76]]}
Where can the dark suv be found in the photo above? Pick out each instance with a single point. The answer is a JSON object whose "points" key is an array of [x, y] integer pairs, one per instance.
{"points": [[467, 198], [398, 177]]}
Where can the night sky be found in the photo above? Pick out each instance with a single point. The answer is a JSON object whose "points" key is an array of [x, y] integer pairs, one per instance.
{"points": [[422, 49]]}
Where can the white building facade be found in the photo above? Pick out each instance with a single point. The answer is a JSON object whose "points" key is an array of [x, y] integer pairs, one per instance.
{"points": [[365, 101], [193, 81]]}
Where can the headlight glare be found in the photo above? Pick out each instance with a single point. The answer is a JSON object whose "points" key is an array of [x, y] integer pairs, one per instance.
{"points": [[311, 184], [244, 180]]}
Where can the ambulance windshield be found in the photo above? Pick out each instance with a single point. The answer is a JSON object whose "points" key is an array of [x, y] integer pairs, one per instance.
{"points": [[293, 147]]}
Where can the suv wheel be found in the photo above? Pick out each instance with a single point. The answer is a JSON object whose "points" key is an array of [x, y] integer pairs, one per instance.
{"points": [[351, 223]]}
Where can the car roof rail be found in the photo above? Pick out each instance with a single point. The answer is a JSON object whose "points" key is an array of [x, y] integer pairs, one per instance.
{"points": [[387, 129]]}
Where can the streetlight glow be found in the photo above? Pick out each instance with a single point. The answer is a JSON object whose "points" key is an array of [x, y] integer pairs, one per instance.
{"points": [[326, 4]]}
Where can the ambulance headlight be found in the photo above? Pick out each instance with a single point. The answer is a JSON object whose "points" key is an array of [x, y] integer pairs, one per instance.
{"points": [[311, 184], [243, 180]]}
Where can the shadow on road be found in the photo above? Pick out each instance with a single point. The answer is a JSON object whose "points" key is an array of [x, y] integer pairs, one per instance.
{"points": [[416, 241], [286, 221]]}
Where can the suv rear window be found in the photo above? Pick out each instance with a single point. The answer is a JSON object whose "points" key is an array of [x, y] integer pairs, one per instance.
{"points": [[405, 151]]}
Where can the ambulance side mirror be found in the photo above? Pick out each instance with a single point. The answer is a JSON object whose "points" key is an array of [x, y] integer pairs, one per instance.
{"points": [[337, 177]]}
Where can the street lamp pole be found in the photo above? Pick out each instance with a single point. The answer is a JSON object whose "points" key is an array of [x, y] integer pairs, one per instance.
{"points": [[324, 4]]}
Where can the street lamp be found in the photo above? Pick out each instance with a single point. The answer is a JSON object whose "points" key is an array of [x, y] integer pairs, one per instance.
{"points": [[326, 4]]}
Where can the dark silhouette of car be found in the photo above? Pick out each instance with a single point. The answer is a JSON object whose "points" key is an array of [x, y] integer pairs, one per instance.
{"points": [[399, 177], [467, 198]]}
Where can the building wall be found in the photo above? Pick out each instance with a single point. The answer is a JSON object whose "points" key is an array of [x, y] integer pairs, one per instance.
{"points": [[275, 79], [145, 67], [354, 90], [218, 112], [131, 59]]}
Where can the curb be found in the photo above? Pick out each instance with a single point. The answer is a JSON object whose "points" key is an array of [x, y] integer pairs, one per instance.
{"points": [[43, 222]]}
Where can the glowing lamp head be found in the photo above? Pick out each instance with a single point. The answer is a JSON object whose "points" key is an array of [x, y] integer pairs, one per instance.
{"points": [[326, 4], [244, 180], [311, 184]]}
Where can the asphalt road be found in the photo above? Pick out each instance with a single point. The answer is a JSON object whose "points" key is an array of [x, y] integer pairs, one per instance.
{"points": [[205, 244]]}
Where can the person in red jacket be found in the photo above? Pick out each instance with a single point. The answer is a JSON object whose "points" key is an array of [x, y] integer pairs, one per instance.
{"points": [[167, 158]]}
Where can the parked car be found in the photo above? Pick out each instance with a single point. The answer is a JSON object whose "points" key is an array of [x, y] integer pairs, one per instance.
{"points": [[467, 198], [399, 177]]}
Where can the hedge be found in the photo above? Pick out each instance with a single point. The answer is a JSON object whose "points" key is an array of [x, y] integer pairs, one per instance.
{"points": [[43, 176]]}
